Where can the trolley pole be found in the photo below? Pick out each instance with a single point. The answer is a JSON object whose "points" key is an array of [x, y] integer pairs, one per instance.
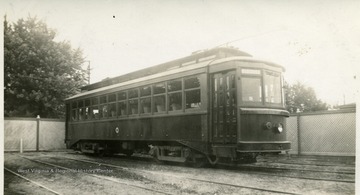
{"points": [[37, 132]]}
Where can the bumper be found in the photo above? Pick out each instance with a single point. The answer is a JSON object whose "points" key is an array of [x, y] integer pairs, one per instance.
{"points": [[263, 146]]}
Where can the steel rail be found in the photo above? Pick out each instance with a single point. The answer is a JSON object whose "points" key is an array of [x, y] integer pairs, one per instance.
{"points": [[256, 168], [291, 169], [100, 177], [34, 182], [181, 177]]}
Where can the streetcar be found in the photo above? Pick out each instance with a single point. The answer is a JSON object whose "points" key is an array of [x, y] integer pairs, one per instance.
{"points": [[213, 105]]}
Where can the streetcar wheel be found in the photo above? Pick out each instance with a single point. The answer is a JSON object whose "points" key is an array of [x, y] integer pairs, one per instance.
{"points": [[128, 153], [199, 162]]}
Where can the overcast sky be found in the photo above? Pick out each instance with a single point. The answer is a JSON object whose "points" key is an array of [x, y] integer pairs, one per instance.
{"points": [[318, 42]]}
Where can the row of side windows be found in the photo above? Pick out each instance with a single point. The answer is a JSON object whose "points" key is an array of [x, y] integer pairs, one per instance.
{"points": [[170, 96]]}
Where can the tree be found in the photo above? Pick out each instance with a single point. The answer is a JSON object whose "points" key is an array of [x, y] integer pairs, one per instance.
{"points": [[300, 98], [39, 73]]}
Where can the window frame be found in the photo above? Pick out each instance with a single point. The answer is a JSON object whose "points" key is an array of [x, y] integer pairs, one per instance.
{"points": [[198, 88], [133, 99], [112, 103], [169, 93], [261, 76], [145, 97], [281, 103], [251, 75], [125, 101], [122, 97], [155, 109]]}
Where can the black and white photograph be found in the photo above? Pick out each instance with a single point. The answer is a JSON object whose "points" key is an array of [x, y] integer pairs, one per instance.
{"points": [[180, 97]]}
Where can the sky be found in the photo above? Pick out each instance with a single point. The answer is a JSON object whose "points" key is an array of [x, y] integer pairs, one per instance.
{"points": [[318, 42]]}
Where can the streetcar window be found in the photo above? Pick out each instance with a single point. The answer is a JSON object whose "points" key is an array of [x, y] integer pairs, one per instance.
{"points": [[159, 88], [80, 104], [133, 106], [221, 84], [95, 112], [103, 112], [112, 97], [159, 97], [175, 97], [103, 99], [122, 95], [192, 92], [74, 114], [232, 82], [87, 114], [81, 114], [145, 104], [122, 108], [122, 105], [87, 102], [175, 101], [251, 89], [74, 105], [192, 82], [94, 109], [215, 85], [193, 99], [112, 110], [94, 101], [81, 111], [159, 103], [145, 91], [88, 111], [174, 85], [133, 93], [272, 86], [74, 111]]}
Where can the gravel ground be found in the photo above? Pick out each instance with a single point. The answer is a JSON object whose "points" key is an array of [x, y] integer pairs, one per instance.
{"points": [[146, 177]]}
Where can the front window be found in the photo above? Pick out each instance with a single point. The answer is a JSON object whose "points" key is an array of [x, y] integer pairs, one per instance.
{"points": [[261, 87], [251, 89], [272, 87]]}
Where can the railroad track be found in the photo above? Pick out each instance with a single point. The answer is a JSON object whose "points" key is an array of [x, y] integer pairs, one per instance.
{"points": [[309, 164], [188, 178], [31, 181], [252, 167], [152, 172], [261, 170], [93, 175], [257, 170]]}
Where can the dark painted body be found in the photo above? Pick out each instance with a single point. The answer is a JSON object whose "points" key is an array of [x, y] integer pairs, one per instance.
{"points": [[222, 126]]}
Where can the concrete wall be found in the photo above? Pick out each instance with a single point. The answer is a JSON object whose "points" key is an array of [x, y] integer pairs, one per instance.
{"points": [[323, 133], [51, 134]]}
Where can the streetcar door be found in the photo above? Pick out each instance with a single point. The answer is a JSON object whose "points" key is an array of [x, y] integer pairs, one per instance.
{"points": [[223, 107]]}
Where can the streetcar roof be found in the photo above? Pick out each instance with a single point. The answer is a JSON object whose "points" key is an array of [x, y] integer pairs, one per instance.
{"points": [[195, 57], [174, 71]]}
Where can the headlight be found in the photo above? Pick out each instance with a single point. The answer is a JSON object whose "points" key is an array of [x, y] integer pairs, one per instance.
{"points": [[278, 127]]}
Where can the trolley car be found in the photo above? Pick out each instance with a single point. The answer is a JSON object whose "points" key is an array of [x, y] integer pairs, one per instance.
{"points": [[215, 104]]}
